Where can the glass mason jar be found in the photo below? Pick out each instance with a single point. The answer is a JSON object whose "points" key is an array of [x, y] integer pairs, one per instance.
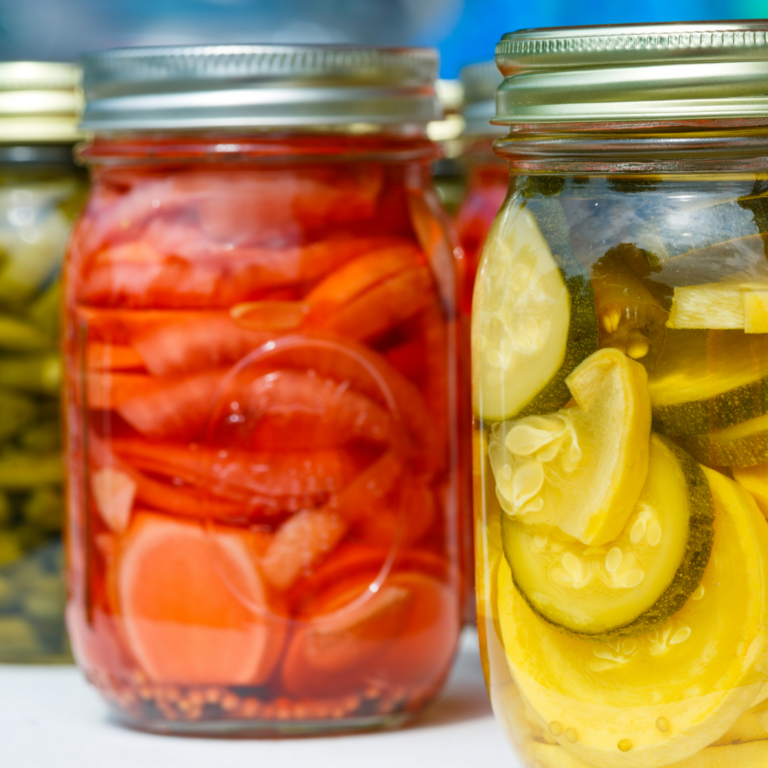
{"points": [[40, 194], [261, 391], [620, 356]]}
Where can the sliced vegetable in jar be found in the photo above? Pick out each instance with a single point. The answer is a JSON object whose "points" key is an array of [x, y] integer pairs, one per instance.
{"points": [[708, 380], [631, 315], [580, 469], [664, 696], [188, 623], [721, 305], [742, 445], [635, 582], [533, 314]]}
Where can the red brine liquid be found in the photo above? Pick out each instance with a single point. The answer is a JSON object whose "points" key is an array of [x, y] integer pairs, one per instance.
{"points": [[262, 433]]}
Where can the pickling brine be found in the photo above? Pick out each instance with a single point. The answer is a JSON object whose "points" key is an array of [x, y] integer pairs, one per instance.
{"points": [[620, 362]]}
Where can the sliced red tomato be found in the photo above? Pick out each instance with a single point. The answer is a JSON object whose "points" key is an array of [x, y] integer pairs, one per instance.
{"points": [[179, 589], [353, 636]]}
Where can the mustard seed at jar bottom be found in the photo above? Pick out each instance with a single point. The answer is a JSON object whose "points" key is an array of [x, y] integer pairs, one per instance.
{"points": [[620, 396]]}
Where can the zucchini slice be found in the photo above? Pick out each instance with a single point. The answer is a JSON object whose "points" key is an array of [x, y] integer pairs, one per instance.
{"points": [[637, 581], [742, 445], [580, 469], [664, 696], [533, 313], [708, 381], [721, 305]]}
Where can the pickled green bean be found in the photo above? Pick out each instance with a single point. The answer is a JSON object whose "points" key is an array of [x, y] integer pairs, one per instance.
{"points": [[23, 472], [34, 373], [44, 509], [44, 310], [21, 336], [16, 410], [10, 548], [6, 512], [40, 437]]}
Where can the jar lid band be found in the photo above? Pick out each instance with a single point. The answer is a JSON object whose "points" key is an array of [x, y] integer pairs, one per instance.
{"points": [[636, 72], [257, 86]]}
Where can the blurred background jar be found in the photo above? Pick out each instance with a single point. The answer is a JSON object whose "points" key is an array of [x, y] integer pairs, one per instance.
{"points": [[263, 529], [487, 175], [40, 193], [447, 172]]}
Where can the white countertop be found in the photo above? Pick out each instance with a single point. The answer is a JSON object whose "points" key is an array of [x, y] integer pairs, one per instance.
{"points": [[51, 718]]}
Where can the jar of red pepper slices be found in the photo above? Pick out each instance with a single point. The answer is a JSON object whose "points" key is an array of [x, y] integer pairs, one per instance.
{"points": [[261, 393]]}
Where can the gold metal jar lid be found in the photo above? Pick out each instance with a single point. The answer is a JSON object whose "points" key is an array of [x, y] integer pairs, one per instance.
{"points": [[258, 86], [40, 102], [634, 72]]}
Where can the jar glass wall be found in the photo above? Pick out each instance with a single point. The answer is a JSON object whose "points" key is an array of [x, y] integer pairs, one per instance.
{"points": [[261, 401], [619, 356]]}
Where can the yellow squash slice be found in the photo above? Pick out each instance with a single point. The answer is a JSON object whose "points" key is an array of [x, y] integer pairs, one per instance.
{"points": [[751, 755], [635, 582], [721, 305], [653, 700], [580, 469]]}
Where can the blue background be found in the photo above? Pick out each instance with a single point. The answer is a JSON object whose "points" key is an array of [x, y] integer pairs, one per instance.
{"points": [[464, 30]]}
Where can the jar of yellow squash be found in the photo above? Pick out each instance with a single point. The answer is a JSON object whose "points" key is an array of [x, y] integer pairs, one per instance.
{"points": [[620, 396], [40, 193]]}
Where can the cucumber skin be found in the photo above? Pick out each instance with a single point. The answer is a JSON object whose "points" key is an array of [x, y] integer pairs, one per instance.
{"points": [[746, 451], [582, 337], [718, 412], [688, 575]]}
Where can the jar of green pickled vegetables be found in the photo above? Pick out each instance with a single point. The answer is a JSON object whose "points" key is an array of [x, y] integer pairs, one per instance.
{"points": [[261, 394], [620, 369], [40, 193]]}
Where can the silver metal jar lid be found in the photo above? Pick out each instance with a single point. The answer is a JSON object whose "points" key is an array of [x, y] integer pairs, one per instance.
{"points": [[635, 72], [480, 82], [258, 86]]}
